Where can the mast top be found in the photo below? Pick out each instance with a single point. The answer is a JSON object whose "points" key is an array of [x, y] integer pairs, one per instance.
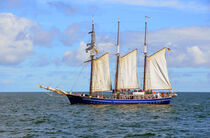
{"points": [[118, 35], [146, 18], [145, 39], [92, 19]]}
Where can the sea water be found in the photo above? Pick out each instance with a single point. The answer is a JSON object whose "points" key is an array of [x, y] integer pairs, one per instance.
{"points": [[45, 115]]}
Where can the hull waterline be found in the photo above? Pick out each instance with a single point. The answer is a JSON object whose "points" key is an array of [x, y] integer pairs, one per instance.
{"points": [[90, 100]]}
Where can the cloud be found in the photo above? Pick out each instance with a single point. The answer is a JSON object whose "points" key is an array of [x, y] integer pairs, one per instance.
{"points": [[198, 56], [18, 36], [78, 56], [68, 56], [190, 45], [14, 50], [187, 43], [178, 4], [105, 43], [43, 37], [73, 8], [63, 7], [71, 34], [41, 61]]}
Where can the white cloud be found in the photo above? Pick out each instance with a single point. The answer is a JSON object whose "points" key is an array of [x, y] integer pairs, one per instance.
{"points": [[79, 55], [12, 49], [18, 36], [198, 56]]}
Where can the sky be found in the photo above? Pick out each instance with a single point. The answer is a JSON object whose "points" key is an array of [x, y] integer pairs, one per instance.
{"points": [[44, 41]]}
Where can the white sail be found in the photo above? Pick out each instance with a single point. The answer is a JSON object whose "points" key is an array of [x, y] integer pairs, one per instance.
{"points": [[127, 77], [101, 80], [156, 73]]}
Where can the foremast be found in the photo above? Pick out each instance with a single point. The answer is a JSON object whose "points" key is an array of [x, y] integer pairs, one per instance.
{"points": [[145, 54], [92, 55], [118, 58]]}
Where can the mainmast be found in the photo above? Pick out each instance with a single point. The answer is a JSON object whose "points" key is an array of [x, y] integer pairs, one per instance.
{"points": [[91, 48], [118, 57], [145, 53]]}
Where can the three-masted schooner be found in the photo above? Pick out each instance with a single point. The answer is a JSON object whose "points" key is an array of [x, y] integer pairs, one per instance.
{"points": [[126, 89]]}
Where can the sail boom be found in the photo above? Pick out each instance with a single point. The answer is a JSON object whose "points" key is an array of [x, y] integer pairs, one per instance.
{"points": [[102, 91], [160, 89], [131, 88]]}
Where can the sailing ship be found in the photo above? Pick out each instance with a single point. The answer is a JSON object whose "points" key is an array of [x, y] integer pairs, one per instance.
{"points": [[126, 89]]}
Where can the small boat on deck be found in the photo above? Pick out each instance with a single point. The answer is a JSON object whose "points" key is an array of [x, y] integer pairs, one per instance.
{"points": [[126, 89]]}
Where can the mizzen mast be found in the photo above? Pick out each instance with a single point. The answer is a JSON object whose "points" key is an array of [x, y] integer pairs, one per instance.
{"points": [[145, 53], [118, 57]]}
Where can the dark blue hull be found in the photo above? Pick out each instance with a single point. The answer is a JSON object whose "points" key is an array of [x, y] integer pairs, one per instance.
{"points": [[88, 100]]}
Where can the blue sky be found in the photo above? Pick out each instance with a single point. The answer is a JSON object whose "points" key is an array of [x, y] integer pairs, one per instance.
{"points": [[43, 41]]}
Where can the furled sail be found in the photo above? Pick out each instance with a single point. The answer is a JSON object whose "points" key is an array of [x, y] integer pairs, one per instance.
{"points": [[156, 73], [127, 77], [101, 80]]}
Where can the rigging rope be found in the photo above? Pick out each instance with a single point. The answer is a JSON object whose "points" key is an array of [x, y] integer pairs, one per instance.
{"points": [[59, 82], [77, 78]]}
